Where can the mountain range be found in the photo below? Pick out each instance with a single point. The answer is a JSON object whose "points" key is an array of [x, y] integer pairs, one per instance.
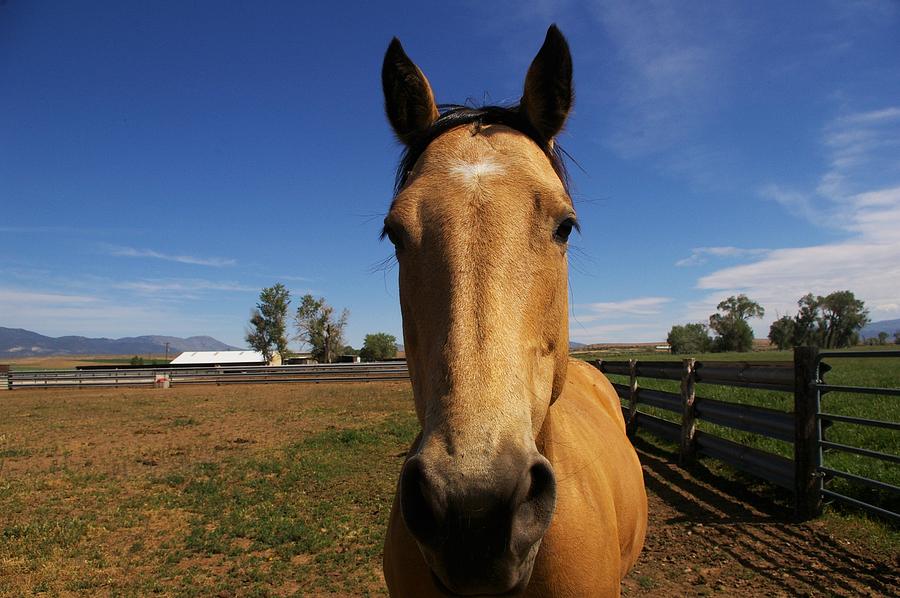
{"points": [[872, 329], [18, 342]]}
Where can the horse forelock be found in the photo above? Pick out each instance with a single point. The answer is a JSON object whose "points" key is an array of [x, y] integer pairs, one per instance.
{"points": [[453, 116]]}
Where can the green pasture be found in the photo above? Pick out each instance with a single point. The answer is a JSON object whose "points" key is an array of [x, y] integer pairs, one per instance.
{"points": [[873, 372]]}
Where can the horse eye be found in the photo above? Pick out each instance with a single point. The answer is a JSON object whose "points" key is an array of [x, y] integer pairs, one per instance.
{"points": [[564, 230], [392, 236]]}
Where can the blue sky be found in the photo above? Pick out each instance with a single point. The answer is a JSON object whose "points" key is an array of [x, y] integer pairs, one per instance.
{"points": [[160, 163]]}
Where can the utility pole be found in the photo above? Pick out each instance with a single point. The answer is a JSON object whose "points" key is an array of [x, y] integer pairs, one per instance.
{"points": [[167, 352]]}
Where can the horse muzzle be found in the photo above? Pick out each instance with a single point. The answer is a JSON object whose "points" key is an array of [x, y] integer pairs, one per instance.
{"points": [[479, 534]]}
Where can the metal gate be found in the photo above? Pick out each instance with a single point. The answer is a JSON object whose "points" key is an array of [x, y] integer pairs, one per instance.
{"points": [[823, 474]]}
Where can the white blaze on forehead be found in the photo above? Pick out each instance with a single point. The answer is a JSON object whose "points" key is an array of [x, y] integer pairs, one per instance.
{"points": [[471, 172]]}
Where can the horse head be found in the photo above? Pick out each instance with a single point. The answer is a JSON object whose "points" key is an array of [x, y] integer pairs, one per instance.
{"points": [[480, 222]]}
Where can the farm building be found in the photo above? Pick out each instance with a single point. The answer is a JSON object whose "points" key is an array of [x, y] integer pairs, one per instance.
{"points": [[300, 359], [214, 358]]}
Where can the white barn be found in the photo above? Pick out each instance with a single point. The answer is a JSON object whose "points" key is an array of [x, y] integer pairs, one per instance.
{"points": [[213, 358]]}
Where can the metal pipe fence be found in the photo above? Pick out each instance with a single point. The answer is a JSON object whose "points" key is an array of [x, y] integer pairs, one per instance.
{"points": [[823, 475], [339, 372], [805, 475]]}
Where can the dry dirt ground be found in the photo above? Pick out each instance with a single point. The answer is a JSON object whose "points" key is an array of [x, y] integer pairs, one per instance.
{"points": [[710, 535], [136, 491]]}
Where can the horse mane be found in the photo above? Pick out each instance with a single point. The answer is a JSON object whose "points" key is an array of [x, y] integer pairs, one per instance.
{"points": [[456, 115]]}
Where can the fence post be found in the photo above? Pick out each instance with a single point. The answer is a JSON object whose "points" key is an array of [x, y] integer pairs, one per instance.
{"points": [[807, 495], [688, 448], [631, 424]]}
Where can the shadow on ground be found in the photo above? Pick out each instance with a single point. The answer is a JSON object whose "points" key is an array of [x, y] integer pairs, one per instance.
{"points": [[713, 535]]}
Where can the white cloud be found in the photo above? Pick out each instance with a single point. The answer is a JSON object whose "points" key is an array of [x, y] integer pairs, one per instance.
{"points": [[796, 203], [858, 194], [61, 313], [700, 255], [673, 69], [859, 185], [873, 117], [639, 306], [616, 333], [629, 320], [216, 262], [179, 286], [864, 149], [14, 296]]}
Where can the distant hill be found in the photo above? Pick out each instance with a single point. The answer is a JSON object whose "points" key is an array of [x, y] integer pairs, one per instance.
{"points": [[17, 342], [872, 329]]}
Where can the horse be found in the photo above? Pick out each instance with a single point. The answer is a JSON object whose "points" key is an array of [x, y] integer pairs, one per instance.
{"points": [[522, 480]]}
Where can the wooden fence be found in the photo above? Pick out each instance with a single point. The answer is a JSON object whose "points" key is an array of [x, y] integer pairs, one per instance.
{"points": [[804, 474]]}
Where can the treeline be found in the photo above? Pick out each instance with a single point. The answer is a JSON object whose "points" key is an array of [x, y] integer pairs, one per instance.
{"points": [[829, 322], [317, 326]]}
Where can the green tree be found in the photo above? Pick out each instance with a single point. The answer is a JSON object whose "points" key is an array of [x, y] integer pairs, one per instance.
{"points": [[782, 332], [137, 360], [841, 318], [830, 322], [378, 346], [897, 338], [690, 338], [806, 326], [318, 327], [882, 338], [268, 322], [734, 333]]}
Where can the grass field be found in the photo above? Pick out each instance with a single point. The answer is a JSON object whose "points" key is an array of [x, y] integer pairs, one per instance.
{"points": [[279, 490], [276, 490], [64, 362], [877, 372]]}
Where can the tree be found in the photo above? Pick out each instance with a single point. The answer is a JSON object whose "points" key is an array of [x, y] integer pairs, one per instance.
{"points": [[379, 346], [882, 338], [690, 338], [841, 318], [318, 327], [830, 322], [137, 360], [734, 333], [782, 332], [806, 330], [268, 322], [897, 338]]}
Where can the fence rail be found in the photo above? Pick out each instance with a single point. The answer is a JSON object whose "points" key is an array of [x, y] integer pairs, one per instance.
{"points": [[823, 474], [805, 474], [339, 372]]}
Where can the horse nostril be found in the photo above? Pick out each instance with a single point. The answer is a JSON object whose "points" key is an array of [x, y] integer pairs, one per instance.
{"points": [[533, 514], [543, 482], [419, 504]]}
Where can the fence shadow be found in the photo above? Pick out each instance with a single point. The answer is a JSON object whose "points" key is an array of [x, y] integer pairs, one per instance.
{"points": [[751, 527]]}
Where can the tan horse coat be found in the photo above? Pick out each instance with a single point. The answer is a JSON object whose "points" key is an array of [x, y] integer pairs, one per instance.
{"points": [[600, 496], [522, 480]]}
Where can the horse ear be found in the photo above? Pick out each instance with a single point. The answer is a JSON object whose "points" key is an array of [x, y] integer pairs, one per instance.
{"points": [[408, 99], [548, 86]]}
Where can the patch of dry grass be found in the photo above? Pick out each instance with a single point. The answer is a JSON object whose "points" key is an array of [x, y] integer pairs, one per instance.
{"points": [[245, 490]]}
